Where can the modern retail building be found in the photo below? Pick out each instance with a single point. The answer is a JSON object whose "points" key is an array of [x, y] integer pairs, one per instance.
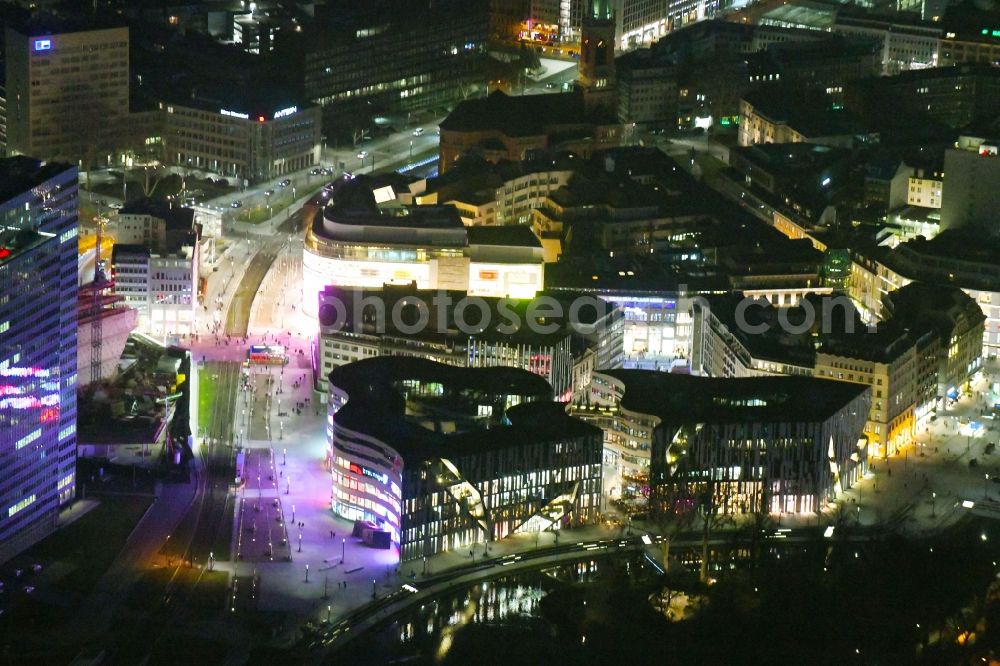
{"points": [[364, 237], [438, 458], [38, 347], [767, 444], [922, 355], [560, 337]]}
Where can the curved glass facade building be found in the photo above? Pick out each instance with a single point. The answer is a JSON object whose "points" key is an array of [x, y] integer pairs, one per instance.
{"points": [[442, 457]]}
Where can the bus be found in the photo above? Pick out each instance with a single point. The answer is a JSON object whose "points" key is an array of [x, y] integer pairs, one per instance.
{"points": [[266, 355]]}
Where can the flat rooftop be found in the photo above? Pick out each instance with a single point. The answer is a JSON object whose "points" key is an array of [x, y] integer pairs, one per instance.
{"points": [[19, 174], [526, 115], [677, 398], [376, 408], [176, 217]]}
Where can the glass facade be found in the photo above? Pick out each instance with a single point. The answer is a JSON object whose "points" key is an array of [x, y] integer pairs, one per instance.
{"points": [[38, 347]]}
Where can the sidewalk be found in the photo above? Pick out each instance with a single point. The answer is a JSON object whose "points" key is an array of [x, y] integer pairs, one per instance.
{"points": [[75, 512]]}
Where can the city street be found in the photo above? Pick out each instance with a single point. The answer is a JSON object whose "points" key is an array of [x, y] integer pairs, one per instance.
{"points": [[896, 494], [287, 552]]}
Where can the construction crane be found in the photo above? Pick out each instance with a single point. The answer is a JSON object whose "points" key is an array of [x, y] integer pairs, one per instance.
{"points": [[96, 332]]}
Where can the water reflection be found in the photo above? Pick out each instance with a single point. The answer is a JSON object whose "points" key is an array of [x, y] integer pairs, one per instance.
{"points": [[509, 613]]}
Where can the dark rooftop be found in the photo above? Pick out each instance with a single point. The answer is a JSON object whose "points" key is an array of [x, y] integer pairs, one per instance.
{"points": [[940, 307], [678, 398], [527, 115], [809, 113], [515, 236], [19, 174], [15, 242], [352, 201], [128, 248], [376, 408], [176, 217]]}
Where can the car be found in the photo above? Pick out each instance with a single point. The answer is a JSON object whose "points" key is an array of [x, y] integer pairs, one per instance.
{"points": [[102, 202], [236, 204], [327, 171], [285, 183], [28, 589], [315, 172], [550, 86], [418, 131], [973, 463], [363, 154], [268, 193], [36, 568], [990, 448]]}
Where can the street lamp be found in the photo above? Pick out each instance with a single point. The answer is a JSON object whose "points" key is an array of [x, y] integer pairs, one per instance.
{"points": [[933, 505], [300, 542], [343, 550], [307, 573], [986, 486]]}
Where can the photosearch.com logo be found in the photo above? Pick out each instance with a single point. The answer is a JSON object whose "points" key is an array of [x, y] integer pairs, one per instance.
{"points": [[443, 313], [471, 315]]}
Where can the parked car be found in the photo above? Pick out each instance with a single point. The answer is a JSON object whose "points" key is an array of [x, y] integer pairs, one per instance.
{"points": [[363, 154], [418, 131], [285, 183], [36, 568], [236, 204], [315, 172]]}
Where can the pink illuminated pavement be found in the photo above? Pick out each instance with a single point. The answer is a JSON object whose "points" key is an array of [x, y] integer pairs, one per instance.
{"points": [[938, 465]]}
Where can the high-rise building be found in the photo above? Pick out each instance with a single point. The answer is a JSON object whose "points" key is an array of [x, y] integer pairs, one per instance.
{"points": [[67, 92], [597, 57], [970, 198], [392, 56], [38, 309]]}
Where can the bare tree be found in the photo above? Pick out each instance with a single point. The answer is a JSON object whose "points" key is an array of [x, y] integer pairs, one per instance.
{"points": [[673, 510]]}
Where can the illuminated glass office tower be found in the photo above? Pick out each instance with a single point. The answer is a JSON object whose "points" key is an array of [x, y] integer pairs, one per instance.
{"points": [[38, 306]]}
